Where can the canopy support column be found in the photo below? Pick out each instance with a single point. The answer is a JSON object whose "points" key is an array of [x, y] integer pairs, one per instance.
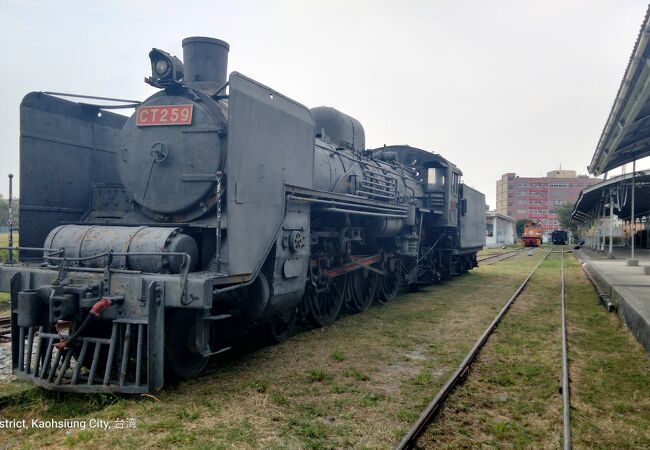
{"points": [[633, 261], [601, 232], [611, 222]]}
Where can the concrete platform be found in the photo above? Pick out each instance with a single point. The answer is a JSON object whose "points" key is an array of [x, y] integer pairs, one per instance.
{"points": [[626, 287]]}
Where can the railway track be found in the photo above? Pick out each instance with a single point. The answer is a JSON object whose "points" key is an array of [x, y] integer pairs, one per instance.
{"points": [[497, 257], [566, 400], [5, 329], [410, 438]]}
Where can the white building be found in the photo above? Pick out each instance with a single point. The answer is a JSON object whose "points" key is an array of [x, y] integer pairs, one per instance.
{"points": [[500, 229]]}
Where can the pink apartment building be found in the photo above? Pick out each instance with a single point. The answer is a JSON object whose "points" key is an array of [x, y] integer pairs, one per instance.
{"points": [[539, 198]]}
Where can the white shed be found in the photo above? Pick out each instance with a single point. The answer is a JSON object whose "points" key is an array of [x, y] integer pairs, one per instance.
{"points": [[500, 229]]}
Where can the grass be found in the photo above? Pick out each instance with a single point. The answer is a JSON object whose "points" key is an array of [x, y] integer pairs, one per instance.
{"points": [[512, 397], [5, 304], [4, 242], [358, 383], [611, 374], [493, 250], [4, 297], [363, 381], [12, 392]]}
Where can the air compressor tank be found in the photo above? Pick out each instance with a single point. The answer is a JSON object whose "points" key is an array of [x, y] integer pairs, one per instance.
{"points": [[83, 241]]}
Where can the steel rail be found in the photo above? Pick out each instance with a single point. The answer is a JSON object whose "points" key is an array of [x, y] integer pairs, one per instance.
{"points": [[566, 400], [5, 328], [433, 407], [506, 255]]}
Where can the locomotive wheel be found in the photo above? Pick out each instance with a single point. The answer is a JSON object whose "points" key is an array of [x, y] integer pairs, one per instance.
{"points": [[322, 308], [184, 361], [282, 326], [389, 284], [363, 286]]}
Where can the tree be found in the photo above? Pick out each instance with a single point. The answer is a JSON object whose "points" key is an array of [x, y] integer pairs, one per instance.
{"points": [[4, 212], [520, 225], [564, 217]]}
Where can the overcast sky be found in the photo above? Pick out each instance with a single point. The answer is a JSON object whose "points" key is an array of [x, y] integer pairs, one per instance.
{"points": [[493, 86]]}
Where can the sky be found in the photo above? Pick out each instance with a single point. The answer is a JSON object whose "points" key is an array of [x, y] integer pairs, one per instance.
{"points": [[493, 86]]}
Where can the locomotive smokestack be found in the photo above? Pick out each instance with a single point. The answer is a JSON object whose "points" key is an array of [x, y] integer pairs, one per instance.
{"points": [[205, 59]]}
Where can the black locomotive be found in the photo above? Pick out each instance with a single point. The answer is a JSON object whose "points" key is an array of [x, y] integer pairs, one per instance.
{"points": [[560, 237], [148, 242]]}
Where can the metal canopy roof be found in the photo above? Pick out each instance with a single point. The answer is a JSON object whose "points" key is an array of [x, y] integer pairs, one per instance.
{"points": [[626, 135], [596, 197]]}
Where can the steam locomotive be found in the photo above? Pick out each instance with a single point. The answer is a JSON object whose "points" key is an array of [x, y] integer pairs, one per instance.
{"points": [[150, 243]]}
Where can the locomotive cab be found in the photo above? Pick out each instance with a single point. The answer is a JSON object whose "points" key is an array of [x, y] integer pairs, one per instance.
{"points": [[436, 179]]}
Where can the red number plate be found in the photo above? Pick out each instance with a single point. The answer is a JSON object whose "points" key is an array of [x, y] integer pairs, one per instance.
{"points": [[164, 115]]}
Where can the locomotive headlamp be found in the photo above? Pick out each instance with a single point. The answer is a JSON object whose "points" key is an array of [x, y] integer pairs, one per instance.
{"points": [[161, 67], [166, 70]]}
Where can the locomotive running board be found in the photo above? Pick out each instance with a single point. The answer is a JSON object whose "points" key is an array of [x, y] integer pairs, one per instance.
{"points": [[346, 203], [300, 193]]}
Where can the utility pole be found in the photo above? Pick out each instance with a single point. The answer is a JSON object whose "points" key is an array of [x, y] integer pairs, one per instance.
{"points": [[10, 259]]}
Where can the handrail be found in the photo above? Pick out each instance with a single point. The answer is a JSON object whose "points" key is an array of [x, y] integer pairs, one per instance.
{"points": [[63, 261], [34, 249]]}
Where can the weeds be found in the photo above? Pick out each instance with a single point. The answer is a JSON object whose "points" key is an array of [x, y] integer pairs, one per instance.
{"points": [[318, 375]]}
